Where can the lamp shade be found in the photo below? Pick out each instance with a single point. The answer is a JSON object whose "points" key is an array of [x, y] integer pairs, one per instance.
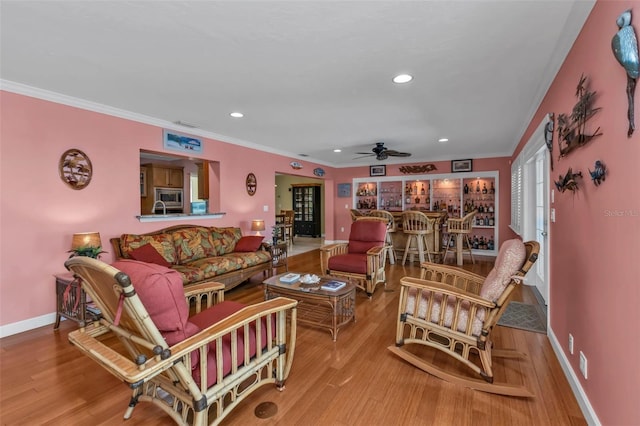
{"points": [[257, 225], [86, 239]]}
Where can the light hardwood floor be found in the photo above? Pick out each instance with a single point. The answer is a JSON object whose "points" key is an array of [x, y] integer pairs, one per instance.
{"points": [[354, 381]]}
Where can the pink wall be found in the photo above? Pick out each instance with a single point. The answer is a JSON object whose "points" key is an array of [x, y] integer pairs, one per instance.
{"points": [[39, 213], [596, 239]]}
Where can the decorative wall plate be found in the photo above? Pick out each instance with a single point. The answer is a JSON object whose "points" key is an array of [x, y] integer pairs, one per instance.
{"points": [[75, 168], [252, 184], [318, 171]]}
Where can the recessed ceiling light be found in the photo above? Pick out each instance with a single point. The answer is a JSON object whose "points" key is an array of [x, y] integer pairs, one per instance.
{"points": [[443, 140], [337, 150], [237, 114], [402, 78]]}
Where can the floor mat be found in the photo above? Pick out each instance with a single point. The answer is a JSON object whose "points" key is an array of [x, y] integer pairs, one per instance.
{"points": [[525, 317]]}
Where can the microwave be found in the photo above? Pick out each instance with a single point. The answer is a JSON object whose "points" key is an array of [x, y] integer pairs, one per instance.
{"points": [[171, 197]]}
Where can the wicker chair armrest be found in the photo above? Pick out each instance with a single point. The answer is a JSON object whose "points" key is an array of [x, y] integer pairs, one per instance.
{"points": [[336, 248], [452, 275], [446, 289], [211, 292], [376, 251]]}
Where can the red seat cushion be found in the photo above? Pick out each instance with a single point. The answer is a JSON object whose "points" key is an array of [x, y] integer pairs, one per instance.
{"points": [[213, 315], [351, 262]]}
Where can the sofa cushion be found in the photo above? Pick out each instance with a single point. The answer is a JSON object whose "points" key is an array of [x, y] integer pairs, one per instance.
{"points": [[249, 243], [147, 253], [366, 234], [511, 257], [163, 243], [192, 244], [161, 292], [225, 239]]}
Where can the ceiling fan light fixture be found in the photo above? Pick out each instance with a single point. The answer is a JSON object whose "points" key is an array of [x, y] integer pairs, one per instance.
{"points": [[443, 140], [236, 114], [402, 78]]}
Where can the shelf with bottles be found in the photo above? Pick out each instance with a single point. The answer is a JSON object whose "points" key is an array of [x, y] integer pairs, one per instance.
{"points": [[367, 196], [390, 196], [446, 196], [417, 194]]}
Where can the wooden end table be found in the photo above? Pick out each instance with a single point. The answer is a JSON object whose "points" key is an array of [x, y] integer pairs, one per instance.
{"points": [[316, 307], [71, 301]]}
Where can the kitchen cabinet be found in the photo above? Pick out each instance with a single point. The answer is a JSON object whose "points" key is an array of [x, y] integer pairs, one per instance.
{"points": [[454, 193], [306, 209], [165, 176]]}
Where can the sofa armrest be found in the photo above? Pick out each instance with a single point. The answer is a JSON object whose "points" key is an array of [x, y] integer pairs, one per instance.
{"points": [[210, 292]]}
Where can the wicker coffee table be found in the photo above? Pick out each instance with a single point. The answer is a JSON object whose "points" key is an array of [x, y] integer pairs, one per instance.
{"points": [[316, 307]]}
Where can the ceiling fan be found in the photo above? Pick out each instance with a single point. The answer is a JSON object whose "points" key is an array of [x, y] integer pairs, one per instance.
{"points": [[382, 153]]}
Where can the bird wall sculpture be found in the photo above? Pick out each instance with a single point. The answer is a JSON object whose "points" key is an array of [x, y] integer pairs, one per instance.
{"points": [[598, 174], [568, 181], [625, 49]]}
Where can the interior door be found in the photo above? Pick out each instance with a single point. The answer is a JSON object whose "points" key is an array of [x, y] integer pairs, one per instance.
{"points": [[537, 218]]}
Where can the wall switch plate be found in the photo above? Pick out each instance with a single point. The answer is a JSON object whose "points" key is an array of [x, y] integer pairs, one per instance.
{"points": [[553, 215], [583, 365], [553, 195], [346, 206], [342, 229], [570, 343], [265, 208]]}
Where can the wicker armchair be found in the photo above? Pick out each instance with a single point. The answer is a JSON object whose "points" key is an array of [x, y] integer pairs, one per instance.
{"points": [[472, 307], [162, 350], [362, 259]]}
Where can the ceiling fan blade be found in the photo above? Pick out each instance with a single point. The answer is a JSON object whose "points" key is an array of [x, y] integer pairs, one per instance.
{"points": [[395, 153], [364, 153], [363, 156]]}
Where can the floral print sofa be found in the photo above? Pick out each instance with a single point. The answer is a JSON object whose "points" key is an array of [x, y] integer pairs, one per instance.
{"points": [[198, 253]]}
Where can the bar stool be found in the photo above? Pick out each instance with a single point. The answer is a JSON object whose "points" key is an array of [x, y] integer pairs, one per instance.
{"points": [[355, 214], [417, 226], [391, 228], [459, 230]]}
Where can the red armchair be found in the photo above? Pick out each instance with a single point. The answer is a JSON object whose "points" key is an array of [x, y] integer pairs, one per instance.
{"points": [[362, 259]]}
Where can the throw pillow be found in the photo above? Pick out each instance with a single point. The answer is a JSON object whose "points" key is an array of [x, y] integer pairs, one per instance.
{"points": [[249, 243], [147, 253], [510, 259]]}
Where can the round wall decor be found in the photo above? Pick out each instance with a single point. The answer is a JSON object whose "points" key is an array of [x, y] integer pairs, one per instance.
{"points": [[75, 168], [252, 184]]}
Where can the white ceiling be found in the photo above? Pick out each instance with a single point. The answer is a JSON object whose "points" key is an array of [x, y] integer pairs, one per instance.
{"points": [[310, 76]]}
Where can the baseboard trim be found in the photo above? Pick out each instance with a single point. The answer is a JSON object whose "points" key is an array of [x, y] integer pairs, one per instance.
{"points": [[28, 324], [587, 410]]}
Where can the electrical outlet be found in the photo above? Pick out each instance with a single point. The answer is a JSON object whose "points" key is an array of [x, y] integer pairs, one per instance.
{"points": [[583, 365], [342, 229], [570, 343], [553, 215]]}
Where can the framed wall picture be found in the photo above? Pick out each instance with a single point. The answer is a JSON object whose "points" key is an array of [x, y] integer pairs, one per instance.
{"points": [[180, 142], [344, 190], [461, 166], [378, 170]]}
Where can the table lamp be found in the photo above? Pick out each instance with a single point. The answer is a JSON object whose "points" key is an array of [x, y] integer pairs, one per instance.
{"points": [[86, 244], [257, 225]]}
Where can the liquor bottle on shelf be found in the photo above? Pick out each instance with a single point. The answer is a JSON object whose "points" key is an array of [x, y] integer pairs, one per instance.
{"points": [[492, 221], [466, 188], [478, 187], [484, 188], [422, 190], [493, 189]]}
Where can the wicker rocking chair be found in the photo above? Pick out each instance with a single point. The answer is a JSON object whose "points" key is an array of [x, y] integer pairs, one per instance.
{"points": [[473, 306], [161, 350]]}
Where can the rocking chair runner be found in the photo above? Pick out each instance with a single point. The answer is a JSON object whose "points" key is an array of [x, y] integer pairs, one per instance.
{"points": [[163, 351], [472, 307]]}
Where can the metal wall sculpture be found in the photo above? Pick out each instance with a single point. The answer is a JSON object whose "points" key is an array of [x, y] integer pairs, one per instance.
{"points": [[424, 168], [598, 174], [625, 49], [568, 181], [572, 127]]}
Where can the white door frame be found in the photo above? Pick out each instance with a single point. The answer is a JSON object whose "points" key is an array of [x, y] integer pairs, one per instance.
{"points": [[536, 199]]}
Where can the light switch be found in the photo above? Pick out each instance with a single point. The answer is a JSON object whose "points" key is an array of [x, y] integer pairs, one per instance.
{"points": [[342, 229], [553, 196], [265, 208], [346, 206], [553, 215]]}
